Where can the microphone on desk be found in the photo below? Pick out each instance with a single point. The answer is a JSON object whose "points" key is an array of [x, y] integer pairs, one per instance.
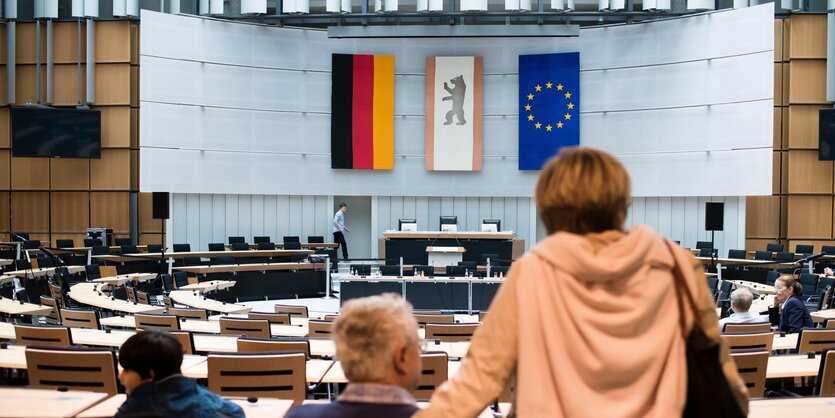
{"points": [[810, 258], [21, 239], [51, 254]]}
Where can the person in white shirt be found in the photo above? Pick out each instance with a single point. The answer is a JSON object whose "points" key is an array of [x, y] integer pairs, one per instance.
{"points": [[741, 300], [339, 229]]}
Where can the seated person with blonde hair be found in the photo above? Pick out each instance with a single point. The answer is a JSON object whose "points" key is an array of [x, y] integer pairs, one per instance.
{"points": [[741, 300], [377, 343]]}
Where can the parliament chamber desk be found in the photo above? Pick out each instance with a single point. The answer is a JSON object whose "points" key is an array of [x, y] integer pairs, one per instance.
{"points": [[14, 357], [6, 279], [264, 281], [205, 327], [90, 294], [5, 261], [45, 403], [41, 272], [124, 278], [445, 293], [210, 286], [194, 299], [316, 370], [337, 375], [758, 287], [824, 315], [263, 408], [200, 254], [11, 249], [411, 246], [305, 245], [809, 407], [13, 307]]}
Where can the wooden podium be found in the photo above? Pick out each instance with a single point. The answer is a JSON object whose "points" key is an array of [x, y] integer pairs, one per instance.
{"points": [[445, 256]]}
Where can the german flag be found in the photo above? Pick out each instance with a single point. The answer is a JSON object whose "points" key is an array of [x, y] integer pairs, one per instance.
{"points": [[362, 112]]}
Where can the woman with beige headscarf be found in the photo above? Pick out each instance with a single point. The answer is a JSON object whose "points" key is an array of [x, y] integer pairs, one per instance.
{"points": [[588, 320]]}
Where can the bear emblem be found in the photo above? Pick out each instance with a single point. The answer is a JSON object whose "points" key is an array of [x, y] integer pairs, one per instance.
{"points": [[456, 94]]}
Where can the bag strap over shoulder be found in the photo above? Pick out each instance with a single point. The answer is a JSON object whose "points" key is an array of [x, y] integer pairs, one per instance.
{"points": [[682, 291]]}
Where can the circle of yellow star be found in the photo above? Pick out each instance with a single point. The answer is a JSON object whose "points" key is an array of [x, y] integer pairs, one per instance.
{"points": [[548, 128], [538, 87], [528, 107], [559, 125], [530, 117], [548, 85], [568, 116], [559, 86], [571, 105], [530, 96], [538, 125], [567, 95]]}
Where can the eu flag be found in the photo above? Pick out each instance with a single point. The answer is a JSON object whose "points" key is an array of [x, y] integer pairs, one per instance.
{"points": [[549, 106]]}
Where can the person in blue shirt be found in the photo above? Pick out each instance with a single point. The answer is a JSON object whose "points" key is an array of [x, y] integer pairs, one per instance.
{"points": [[154, 384], [339, 229], [794, 315]]}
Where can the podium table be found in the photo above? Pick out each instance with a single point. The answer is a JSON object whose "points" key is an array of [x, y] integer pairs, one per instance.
{"points": [[445, 256]]}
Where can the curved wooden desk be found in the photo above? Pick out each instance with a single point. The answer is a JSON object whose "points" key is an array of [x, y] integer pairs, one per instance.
{"points": [[196, 300], [13, 307], [124, 278], [89, 294], [40, 272]]}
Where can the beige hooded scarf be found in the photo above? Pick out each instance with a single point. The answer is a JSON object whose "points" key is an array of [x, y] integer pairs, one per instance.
{"points": [[590, 325]]}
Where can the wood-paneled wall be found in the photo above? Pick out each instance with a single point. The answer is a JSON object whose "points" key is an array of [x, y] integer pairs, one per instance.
{"points": [[59, 198], [801, 209]]}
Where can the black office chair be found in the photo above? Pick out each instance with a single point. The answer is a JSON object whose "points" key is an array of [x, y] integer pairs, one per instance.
{"points": [[703, 244], [725, 291], [24, 235], [167, 283], [235, 240], [45, 262], [470, 265], [32, 244], [762, 255], [708, 252], [224, 260], [240, 246], [316, 239], [361, 269], [809, 283], [774, 247], [129, 249], [180, 279], [22, 265], [64, 243], [784, 257], [92, 242], [217, 246], [293, 245], [771, 277], [712, 284], [390, 270], [92, 271], [297, 258], [737, 254], [154, 248], [290, 238], [122, 241], [258, 240], [266, 246], [190, 261], [101, 250], [456, 271], [828, 249], [428, 271], [182, 248], [804, 249]]}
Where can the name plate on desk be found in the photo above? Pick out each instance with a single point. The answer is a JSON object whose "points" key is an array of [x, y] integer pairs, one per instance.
{"points": [[445, 249]]}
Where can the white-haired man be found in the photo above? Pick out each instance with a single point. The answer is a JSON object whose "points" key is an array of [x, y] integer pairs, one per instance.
{"points": [[377, 343], [741, 300]]}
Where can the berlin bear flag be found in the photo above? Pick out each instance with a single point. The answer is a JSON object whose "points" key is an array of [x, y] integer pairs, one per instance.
{"points": [[453, 113], [549, 106]]}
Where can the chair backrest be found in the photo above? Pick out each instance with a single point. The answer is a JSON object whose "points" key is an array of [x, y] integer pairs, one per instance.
{"points": [[245, 327], [274, 318], [293, 245], [316, 239], [829, 324], [32, 244], [771, 277], [433, 373], [451, 332], [182, 248], [484, 257], [747, 328], [712, 285], [24, 235], [774, 247], [423, 319], [762, 255], [361, 269], [186, 340], [154, 248], [826, 374], [92, 242], [167, 302], [331, 317], [740, 254], [456, 271], [82, 369], [240, 246], [64, 243], [317, 328], [45, 262], [273, 375], [804, 249], [108, 271], [266, 245], [35, 335], [815, 340], [57, 293], [54, 316], [180, 278], [128, 249], [80, 318], [131, 294], [482, 316], [828, 249], [703, 244], [752, 367], [224, 260], [143, 297], [292, 310], [249, 345], [191, 313], [290, 238], [427, 271], [157, 321], [217, 246], [708, 252], [101, 250], [809, 283], [167, 282], [389, 270], [122, 241], [749, 340], [784, 257], [261, 239], [234, 240], [725, 290]]}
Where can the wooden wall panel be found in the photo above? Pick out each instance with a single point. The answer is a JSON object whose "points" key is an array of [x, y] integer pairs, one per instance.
{"points": [[112, 171], [5, 169], [113, 84], [784, 173], [807, 81], [803, 126], [778, 40], [784, 128], [778, 83], [808, 36], [65, 43], [786, 88], [30, 211], [147, 223], [134, 170], [807, 174], [66, 92], [25, 88], [4, 97], [758, 244], [69, 211], [134, 127], [777, 129], [3, 49], [5, 127], [134, 44], [762, 216], [25, 37], [110, 210], [4, 212], [69, 174], [30, 173], [77, 238], [787, 38], [784, 216], [809, 217], [115, 126], [113, 41], [134, 86], [145, 239]]}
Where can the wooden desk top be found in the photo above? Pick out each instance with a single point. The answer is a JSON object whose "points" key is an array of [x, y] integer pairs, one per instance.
{"points": [[14, 357], [307, 245], [45, 403], [794, 365], [436, 279], [200, 254], [316, 370], [449, 235], [759, 287], [40, 272], [743, 262], [810, 407], [195, 300], [209, 286], [821, 316], [89, 294], [5, 261], [206, 327], [230, 268], [5, 279], [264, 408], [124, 278], [337, 375], [789, 342], [13, 307], [459, 250]]}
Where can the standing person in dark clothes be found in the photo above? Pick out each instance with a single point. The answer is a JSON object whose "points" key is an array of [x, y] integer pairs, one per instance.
{"points": [[339, 229]]}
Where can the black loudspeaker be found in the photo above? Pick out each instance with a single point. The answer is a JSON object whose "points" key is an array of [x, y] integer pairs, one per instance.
{"points": [[160, 205], [714, 216]]}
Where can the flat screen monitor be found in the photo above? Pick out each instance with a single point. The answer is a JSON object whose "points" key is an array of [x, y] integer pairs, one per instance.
{"points": [[826, 134], [407, 225], [449, 223], [491, 225], [58, 133]]}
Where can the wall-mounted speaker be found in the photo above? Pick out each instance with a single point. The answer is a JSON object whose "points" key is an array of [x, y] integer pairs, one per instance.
{"points": [[160, 204], [714, 216]]}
